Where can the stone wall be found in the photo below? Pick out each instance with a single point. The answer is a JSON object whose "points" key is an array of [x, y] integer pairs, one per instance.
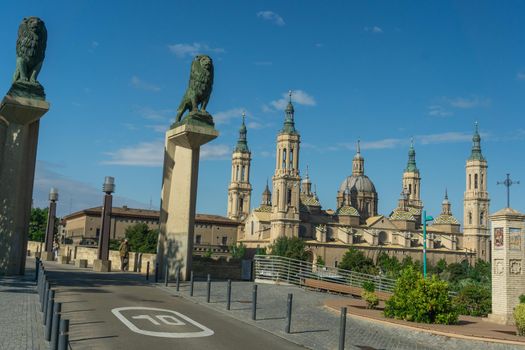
{"points": [[137, 261]]}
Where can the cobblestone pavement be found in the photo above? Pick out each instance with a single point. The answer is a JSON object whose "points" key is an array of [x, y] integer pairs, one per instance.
{"points": [[20, 317], [315, 326]]}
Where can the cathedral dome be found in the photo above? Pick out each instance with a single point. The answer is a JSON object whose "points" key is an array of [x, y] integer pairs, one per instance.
{"points": [[359, 183]]}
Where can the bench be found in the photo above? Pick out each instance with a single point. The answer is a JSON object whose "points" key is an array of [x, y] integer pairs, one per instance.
{"points": [[341, 288]]}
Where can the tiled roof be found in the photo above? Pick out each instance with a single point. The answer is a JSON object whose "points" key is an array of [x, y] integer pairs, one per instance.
{"points": [[264, 209], [446, 219], [347, 210], [398, 214]]}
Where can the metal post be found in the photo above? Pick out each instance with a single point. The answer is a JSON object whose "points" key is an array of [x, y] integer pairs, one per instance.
{"points": [[54, 326], [424, 243], [166, 275], [44, 299], [51, 217], [36, 269], [156, 272], [342, 329], [289, 312], [177, 272], [254, 302], [147, 271], [63, 338], [208, 293], [49, 315], [229, 295], [191, 283]]}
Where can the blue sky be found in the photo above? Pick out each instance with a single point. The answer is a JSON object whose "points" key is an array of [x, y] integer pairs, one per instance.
{"points": [[381, 71]]}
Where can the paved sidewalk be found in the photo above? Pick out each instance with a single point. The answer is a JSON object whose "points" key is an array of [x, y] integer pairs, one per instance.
{"points": [[315, 326], [20, 317]]}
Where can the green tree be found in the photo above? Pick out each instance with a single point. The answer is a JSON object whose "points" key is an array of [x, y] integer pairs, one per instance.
{"points": [[419, 299], [141, 238], [474, 299], [355, 260], [38, 224], [389, 265], [293, 248], [238, 251]]}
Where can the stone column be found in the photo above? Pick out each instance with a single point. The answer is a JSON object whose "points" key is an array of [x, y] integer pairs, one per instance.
{"points": [[19, 124], [179, 196], [508, 257], [102, 263], [50, 229]]}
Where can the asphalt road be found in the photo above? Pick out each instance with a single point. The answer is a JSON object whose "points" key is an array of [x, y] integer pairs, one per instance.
{"points": [[151, 319]]}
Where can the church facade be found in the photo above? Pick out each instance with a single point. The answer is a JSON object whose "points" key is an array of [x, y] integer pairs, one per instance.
{"points": [[292, 209]]}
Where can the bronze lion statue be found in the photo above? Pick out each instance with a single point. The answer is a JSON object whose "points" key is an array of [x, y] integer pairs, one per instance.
{"points": [[30, 49], [199, 87]]}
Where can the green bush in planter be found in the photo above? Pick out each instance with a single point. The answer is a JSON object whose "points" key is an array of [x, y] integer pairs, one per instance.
{"points": [[371, 299], [519, 319]]}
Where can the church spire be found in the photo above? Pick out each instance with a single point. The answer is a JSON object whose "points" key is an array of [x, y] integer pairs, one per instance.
{"points": [[411, 165], [289, 123], [445, 205], [476, 145], [358, 163], [242, 142]]}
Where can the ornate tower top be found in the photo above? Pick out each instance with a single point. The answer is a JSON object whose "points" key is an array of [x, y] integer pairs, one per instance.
{"points": [[358, 163], [445, 205], [476, 145], [242, 143], [266, 195], [411, 165], [289, 123]]}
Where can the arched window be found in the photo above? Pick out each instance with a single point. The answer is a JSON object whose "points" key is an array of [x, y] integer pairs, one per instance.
{"points": [[237, 173], [243, 178], [469, 182], [470, 218], [241, 205], [482, 218], [291, 159], [289, 197], [251, 227], [284, 159], [409, 188], [475, 181], [481, 181]]}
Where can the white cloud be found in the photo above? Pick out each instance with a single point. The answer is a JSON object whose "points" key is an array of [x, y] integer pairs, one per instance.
{"points": [[468, 102], [225, 117], [215, 152], [438, 111], [379, 144], [138, 83], [154, 114], [148, 154], [272, 17], [446, 137], [183, 50], [374, 29], [520, 76], [74, 195], [298, 97]]}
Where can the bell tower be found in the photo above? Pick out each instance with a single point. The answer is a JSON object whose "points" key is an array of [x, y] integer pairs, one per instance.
{"points": [[412, 184], [476, 234], [240, 189], [286, 180]]}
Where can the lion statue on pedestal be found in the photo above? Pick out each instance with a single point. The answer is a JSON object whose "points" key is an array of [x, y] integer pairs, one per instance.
{"points": [[199, 88], [30, 49]]}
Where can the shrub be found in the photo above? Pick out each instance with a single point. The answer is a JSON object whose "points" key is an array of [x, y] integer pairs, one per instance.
{"points": [[320, 261], [474, 300], [355, 260], [238, 251], [519, 319], [207, 254], [371, 299], [522, 299], [369, 286], [418, 299], [294, 248]]}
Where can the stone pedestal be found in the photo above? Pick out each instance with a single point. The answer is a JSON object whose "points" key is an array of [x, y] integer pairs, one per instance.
{"points": [[63, 259], [179, 195], [19, 124], [82, 263], [508, 258], [102, 265]]}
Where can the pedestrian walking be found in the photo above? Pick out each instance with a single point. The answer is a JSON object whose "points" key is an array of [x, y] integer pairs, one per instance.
{"points": [[124, 254]]}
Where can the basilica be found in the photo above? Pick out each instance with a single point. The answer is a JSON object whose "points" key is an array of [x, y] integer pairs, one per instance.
{"points": [[290, 208]]}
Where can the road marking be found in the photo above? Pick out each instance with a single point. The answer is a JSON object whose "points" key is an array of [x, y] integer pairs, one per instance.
{"points": [[166, 317]]}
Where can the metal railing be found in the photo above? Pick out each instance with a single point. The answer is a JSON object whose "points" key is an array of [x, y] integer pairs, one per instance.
{"points": [[278, 269]]}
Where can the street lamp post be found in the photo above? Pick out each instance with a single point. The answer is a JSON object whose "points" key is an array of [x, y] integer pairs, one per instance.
{"points": [[50, 229], [103, 264], [425, 219]]}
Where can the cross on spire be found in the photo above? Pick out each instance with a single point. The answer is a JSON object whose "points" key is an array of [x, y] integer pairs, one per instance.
{"points": [[507, 183]]}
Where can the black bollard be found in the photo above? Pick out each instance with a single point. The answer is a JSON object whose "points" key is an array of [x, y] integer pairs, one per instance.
{"points": [[254, 302], [44, 299], [63, 338], [166, 276], [156, 272], [289, 312], [49, 315], [55, 324], [208, 291], [229, 295], [147, 271], [191, 283], [177, 272], [342, 329], [36, 269]]}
